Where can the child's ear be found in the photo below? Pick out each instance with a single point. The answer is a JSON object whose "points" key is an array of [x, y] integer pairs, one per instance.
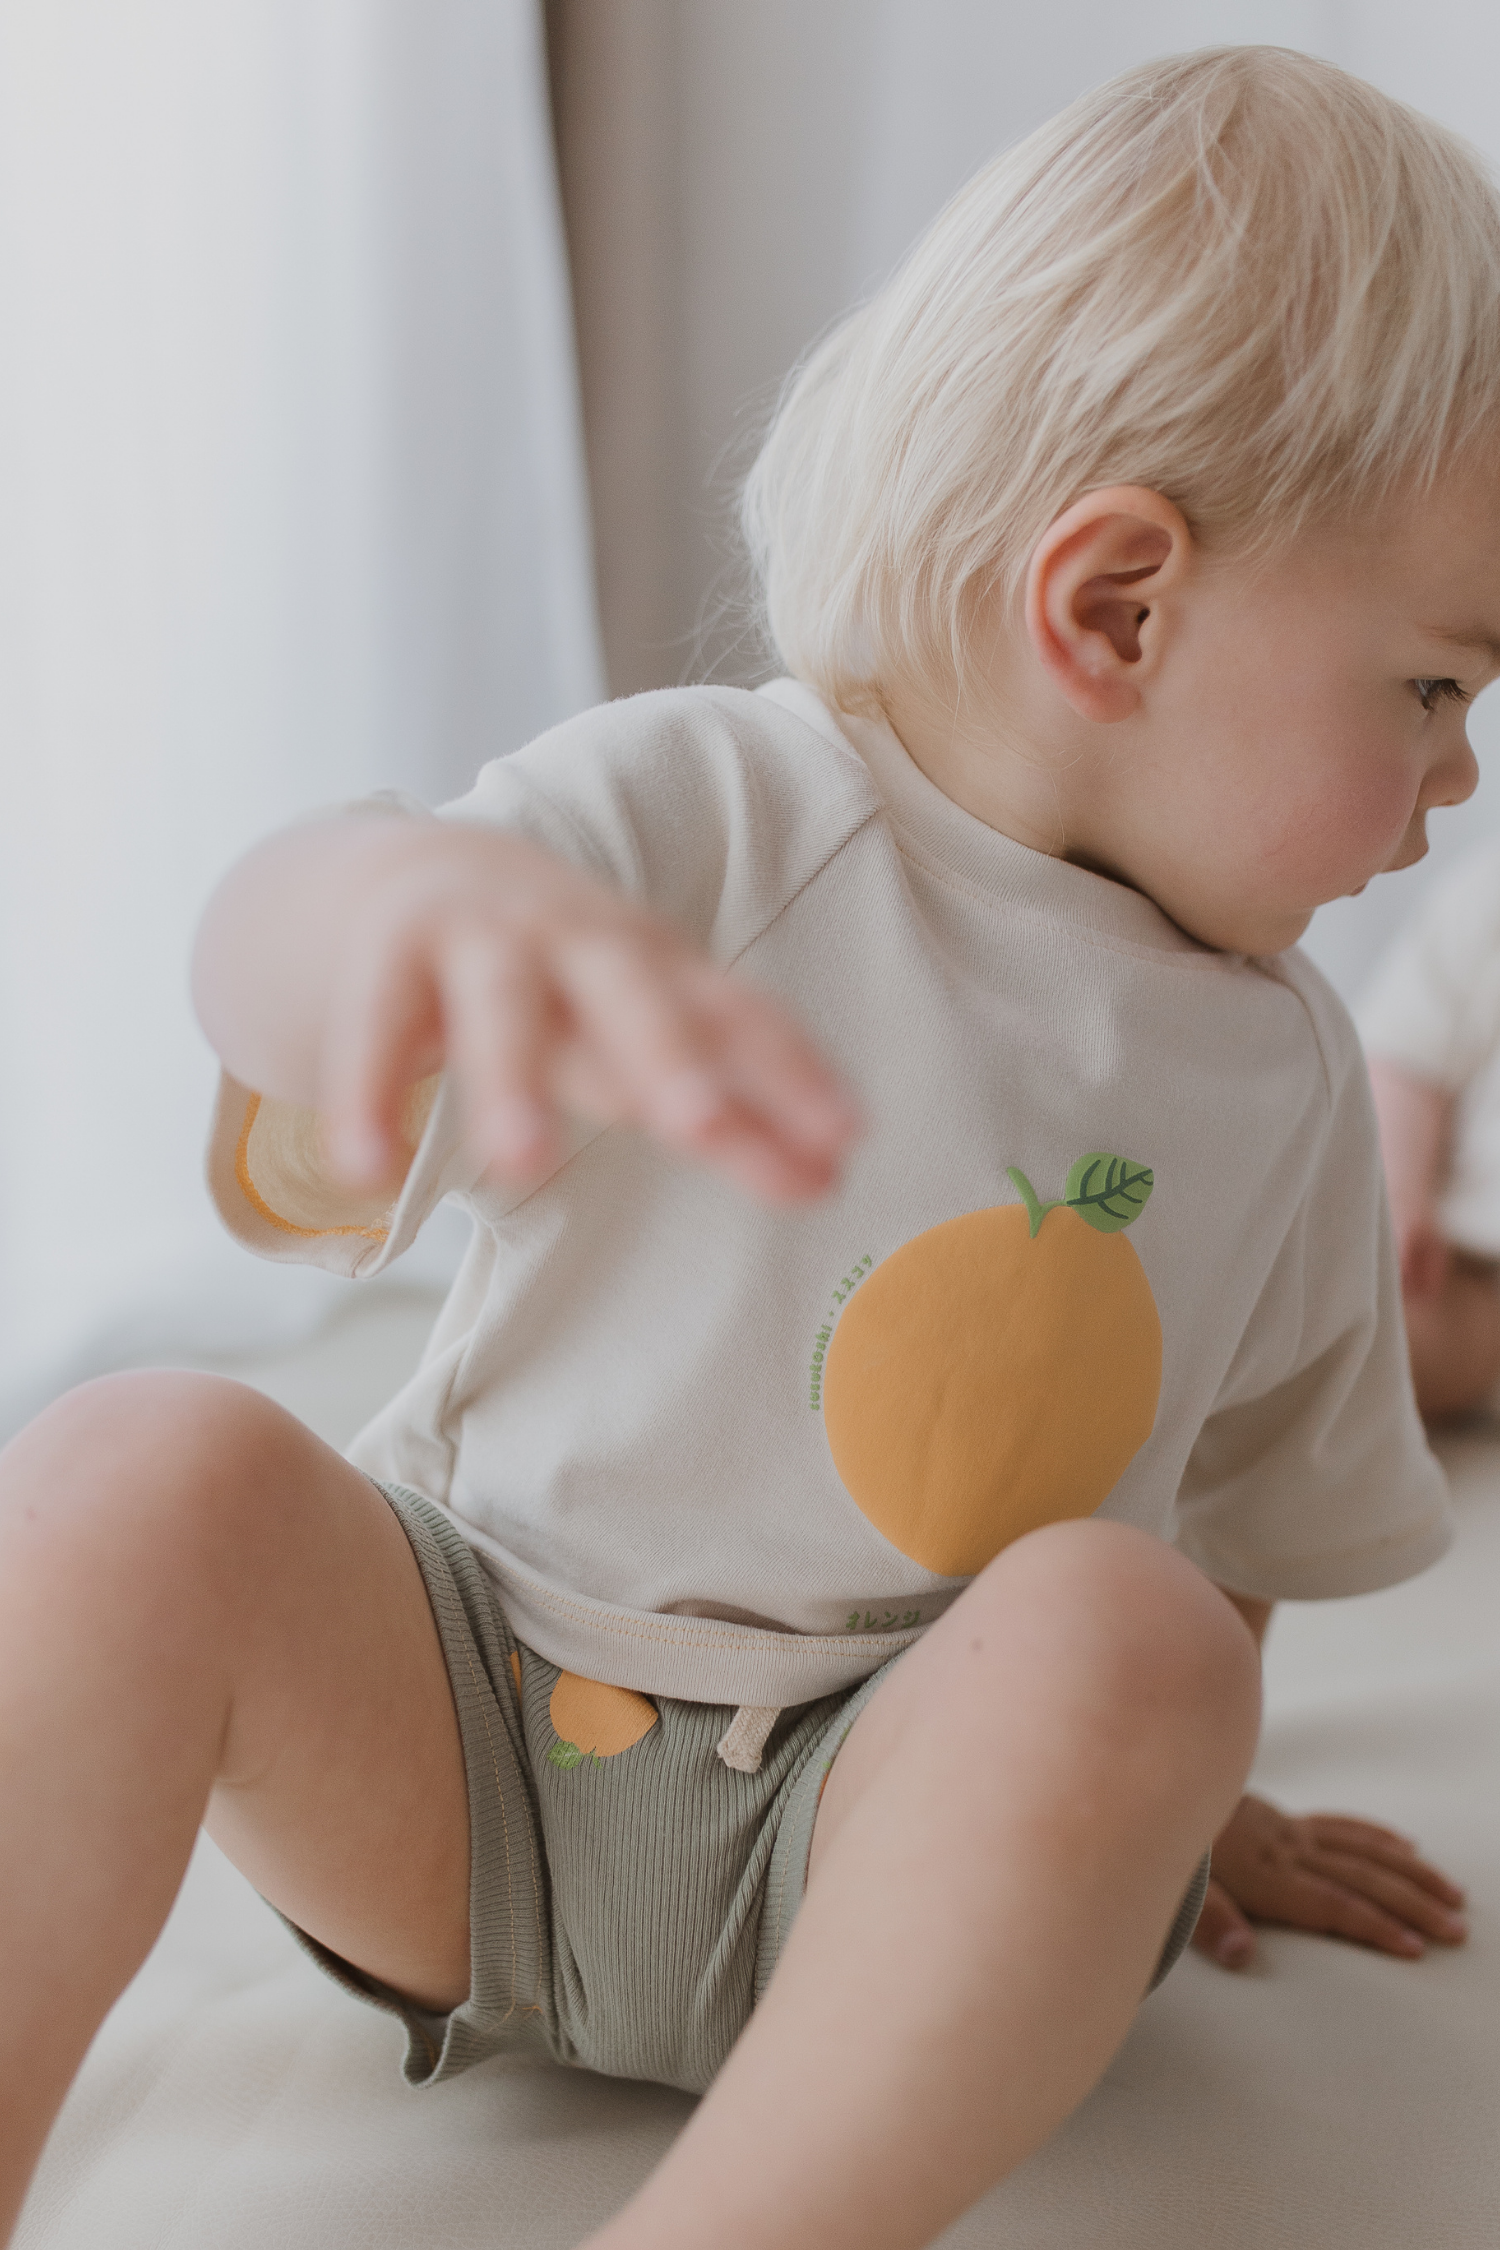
{"points": [[1094, 591]]}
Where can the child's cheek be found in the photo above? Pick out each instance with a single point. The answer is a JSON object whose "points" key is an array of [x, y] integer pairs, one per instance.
{"points": [[1330, 838]]}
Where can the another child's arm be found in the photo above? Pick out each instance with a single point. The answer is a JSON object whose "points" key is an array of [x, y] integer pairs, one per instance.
{"points": [[1415, 1117], [1320, 1871], [344, 960]]}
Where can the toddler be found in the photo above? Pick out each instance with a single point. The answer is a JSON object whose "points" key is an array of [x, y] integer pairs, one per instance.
{"points": [[930, 1293], [1431, 1026]]}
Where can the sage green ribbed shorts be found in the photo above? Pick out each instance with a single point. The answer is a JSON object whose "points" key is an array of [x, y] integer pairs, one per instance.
{"points": [[626, 1909]]}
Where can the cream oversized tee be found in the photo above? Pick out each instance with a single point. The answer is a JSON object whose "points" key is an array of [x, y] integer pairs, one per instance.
{"points": [[1433, 1007], [1114, 1238]]}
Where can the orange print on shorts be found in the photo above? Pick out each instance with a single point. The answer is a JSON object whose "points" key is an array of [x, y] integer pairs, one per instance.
{"points": [[594, 1720], [998, 1372]]}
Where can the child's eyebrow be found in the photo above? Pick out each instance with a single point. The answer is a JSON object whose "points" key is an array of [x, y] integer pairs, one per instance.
{"points": [[1476, 637]]}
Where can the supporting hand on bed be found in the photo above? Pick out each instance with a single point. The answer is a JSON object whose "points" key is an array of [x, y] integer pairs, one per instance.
{"points": [[1344, 1878]]}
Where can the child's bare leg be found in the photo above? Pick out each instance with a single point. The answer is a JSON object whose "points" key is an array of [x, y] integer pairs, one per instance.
{"points": [[1002, 1845], [1455, 1338], [204, 1610]]}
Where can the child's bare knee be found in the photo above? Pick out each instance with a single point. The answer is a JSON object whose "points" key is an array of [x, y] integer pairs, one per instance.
{"points": [[148, 1455], [1133, 1624]]}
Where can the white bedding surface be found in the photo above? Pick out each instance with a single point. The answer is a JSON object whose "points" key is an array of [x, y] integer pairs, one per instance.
{"points": [[1325, 2098]]}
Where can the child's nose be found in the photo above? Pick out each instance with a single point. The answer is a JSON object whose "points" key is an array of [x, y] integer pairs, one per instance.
{"points": [[1454, 777]]}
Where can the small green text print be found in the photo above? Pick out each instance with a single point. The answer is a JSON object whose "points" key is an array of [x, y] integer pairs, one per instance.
{"points": [[844, 1290], [883, 1621], [567, 1755]]}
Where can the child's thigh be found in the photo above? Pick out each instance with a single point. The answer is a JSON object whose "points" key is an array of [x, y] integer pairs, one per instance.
{"points": [[237, 1585]]}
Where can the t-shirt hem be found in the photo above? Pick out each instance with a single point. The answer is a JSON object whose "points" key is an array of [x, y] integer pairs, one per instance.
{"points": [[658, 1652]]}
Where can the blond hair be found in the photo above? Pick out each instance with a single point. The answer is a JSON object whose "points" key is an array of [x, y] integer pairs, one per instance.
{"points": [[1240, 277]]}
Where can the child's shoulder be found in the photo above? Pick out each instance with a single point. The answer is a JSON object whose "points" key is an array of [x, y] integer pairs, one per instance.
{"points": [[673, 733], [716, 804], [713, 748], [1329, 1025]]}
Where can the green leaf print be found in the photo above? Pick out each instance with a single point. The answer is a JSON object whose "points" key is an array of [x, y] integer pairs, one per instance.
{"points": [[565, 1755], [1108, 1191]]}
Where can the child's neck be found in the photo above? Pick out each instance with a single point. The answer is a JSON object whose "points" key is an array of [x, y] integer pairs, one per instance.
{"points": [[995, 768]]}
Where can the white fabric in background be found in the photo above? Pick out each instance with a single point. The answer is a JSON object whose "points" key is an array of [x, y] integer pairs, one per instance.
{"points": [[291, 506]]}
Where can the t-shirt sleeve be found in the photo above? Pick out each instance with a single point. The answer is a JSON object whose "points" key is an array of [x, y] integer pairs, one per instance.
{"points": [[1433, 1005], [709, 805], [274, 1190], [712, 806], [272, 1185], [1312, 1476]]}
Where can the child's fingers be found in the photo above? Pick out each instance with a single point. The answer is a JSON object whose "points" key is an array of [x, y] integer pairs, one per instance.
{"points": [[383, 1035], [1346, 1829], [1361, 1839], [775, 1068], [1434, 1880], [738, 1144], [1396, 1894], [1321, 1903], [629, 1014], [496, 1022], [656, 1024], [1223, 1932]]}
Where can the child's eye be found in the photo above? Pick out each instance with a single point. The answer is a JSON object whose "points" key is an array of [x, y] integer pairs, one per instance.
{"points": [[1430, 693]]}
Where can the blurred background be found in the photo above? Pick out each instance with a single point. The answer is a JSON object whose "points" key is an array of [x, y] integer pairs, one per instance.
{"points": [[376, 379]]}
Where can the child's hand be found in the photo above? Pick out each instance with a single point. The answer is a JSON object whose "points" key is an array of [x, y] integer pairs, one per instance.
{"points": [[1345, 1878], [537, 989]]}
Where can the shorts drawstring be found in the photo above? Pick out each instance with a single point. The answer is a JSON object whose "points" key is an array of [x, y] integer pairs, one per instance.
{"points": [[744, 1739]]}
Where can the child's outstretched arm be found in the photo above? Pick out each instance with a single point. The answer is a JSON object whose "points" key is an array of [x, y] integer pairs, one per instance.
{"points": [[344, 960], [1321, 1871]]}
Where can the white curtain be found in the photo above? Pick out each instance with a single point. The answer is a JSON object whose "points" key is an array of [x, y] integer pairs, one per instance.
{"points": [[291, 506]]}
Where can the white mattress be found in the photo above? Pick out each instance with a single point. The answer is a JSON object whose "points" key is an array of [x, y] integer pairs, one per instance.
{"points": [[1327, 2097]]}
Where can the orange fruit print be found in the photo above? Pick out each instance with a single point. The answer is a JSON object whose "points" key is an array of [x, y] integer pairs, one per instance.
{"points": [[593, 1720], [998, 1372]]}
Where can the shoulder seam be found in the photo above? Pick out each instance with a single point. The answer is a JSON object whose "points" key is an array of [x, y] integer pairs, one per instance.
{"points": [[808, 880], [1266, 965]]}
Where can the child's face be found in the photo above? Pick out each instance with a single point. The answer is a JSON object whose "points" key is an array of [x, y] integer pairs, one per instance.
{"points": [[1240, 744], [1291, 743]]}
